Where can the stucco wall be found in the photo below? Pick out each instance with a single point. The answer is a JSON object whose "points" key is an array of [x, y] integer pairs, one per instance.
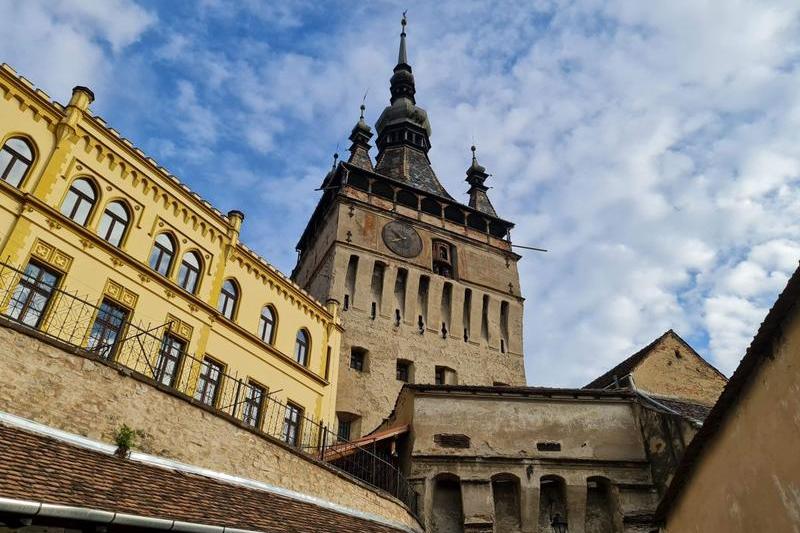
{"points": [[70, 392], [588, 429], [748, 478]]}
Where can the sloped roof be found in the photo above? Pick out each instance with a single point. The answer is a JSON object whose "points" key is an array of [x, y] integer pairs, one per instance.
{"points": [[760, 349], [44, 469], [628, 365]]}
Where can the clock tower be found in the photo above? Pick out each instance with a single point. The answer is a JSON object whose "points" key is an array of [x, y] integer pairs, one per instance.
{"points": [[428, 286]]}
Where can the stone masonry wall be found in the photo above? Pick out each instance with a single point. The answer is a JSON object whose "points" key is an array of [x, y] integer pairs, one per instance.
{"points": [[672, 369], [74, 393]]}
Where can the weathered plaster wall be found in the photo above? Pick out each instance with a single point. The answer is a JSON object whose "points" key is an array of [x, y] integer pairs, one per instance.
{"points": [[748, 478], [672, 369], [511, 427], [70, 392], [600, 440]]}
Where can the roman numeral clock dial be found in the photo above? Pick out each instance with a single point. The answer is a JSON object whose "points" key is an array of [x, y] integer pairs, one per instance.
{"points": [[402, 239]]}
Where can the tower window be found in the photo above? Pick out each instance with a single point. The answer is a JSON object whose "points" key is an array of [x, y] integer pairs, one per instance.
{"points": [[444, 376], [439, 375], [358, 359], [443, 263], [404, 371]]}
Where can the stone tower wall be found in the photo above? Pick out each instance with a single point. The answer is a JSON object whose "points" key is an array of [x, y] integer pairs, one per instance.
{"points": [[487, 269]]}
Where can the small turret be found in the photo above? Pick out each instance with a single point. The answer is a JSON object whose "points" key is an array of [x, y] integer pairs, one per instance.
{"points": [[359, 150], [476, 176]]}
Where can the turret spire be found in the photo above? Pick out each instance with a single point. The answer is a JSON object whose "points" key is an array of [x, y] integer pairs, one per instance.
{"points": [[360, 136], [476, 176]]}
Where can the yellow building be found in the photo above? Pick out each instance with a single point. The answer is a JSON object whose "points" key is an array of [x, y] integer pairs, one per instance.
{"points": [[105, 250]]}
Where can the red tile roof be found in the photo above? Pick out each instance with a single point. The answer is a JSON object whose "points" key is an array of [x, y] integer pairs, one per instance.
{"points": [[43, 469]]}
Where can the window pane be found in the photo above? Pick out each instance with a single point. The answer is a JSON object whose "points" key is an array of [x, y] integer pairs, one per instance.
{"points": [[117, 232], [16, 173], [191, 259], [82, 213], [21, 147], [118, 209], [165, 241], [5, 160], [102, 227], [84, 187], [69, 203]]}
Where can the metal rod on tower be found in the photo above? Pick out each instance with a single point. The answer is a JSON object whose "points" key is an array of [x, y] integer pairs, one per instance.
{"points": [[528, 248]]}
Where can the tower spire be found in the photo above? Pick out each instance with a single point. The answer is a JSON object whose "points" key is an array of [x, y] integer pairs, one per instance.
{"points": [[402, 57]]}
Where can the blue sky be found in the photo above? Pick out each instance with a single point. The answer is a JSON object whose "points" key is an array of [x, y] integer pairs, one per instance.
{"points": [[652, 147]]}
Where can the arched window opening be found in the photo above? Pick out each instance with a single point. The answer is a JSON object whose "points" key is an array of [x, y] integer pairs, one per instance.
{"points": [[79, 201], [432, 207], [228, 299], [266, 325], [476, 221], [443, 259], [447, 513], [113, 223], [163, 253], [506, 495], [408, 199], [301, 347], [454, 214], [16, 158], [603, 514], [189, 272], [384, 190], [552, 502]]}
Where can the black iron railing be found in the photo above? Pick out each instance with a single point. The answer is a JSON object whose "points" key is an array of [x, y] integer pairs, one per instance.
{"points": [[145, 350]]}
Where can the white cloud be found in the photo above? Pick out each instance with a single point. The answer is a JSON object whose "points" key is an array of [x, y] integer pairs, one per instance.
{"points": [[651, 146], [61, 44]]}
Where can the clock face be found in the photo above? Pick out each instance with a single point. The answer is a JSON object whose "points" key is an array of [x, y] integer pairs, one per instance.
{"points": [[402, 239]]}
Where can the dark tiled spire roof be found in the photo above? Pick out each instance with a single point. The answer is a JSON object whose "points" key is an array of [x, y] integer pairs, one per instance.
{"points": [[404, 131], [476, 176], [359, 150]]}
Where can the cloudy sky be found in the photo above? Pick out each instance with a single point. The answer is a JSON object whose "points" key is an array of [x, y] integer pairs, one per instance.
{"points": [[652, 147]]}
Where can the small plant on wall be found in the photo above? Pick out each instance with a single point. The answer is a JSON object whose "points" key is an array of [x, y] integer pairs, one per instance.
{"points": [[125, 439]]}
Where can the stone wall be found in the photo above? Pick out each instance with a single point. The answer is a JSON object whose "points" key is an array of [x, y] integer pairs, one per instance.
{"points": [[673, 369], [492, 352], [75, 393]]}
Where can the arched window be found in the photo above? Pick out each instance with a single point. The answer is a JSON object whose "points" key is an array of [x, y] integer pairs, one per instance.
{"points": [[163, 253], [16, 158], [301, 347], [114, 223], [266, 325], [189, 272], [228, 298], [80, 200]]}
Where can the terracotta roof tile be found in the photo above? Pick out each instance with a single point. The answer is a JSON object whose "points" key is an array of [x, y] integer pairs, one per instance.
{"points": [[43, 469]]}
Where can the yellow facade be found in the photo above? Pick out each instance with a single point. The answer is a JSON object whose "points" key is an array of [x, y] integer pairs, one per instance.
{"points": [[69, 144]]}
